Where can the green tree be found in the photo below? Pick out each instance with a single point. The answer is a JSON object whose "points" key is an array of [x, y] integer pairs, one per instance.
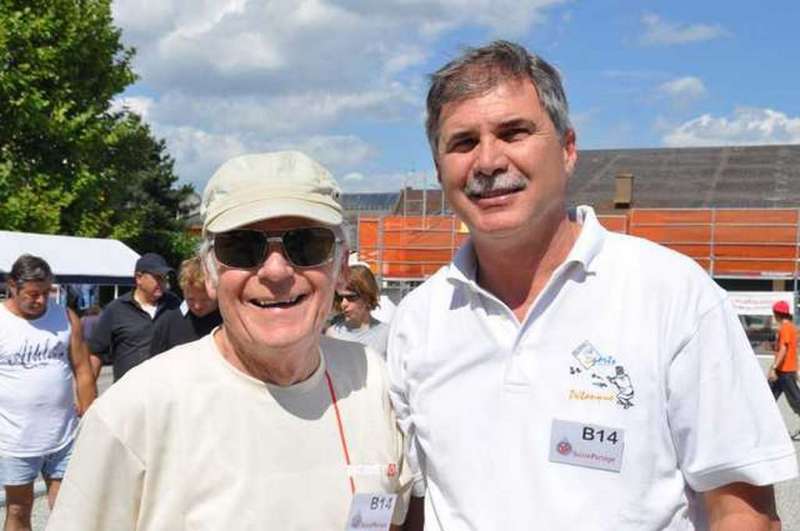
{"points": [[68, 163]]}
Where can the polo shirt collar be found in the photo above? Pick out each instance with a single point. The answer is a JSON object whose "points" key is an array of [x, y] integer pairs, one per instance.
{"points": [[590, 240], [464, 267]]}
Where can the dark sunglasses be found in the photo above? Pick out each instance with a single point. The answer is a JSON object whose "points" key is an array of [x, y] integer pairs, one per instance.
{"points": [[349, 297], [247, 249]]}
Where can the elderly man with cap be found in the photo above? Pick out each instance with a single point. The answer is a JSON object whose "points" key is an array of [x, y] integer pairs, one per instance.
{"points": [[263, 424], [125, 329]]}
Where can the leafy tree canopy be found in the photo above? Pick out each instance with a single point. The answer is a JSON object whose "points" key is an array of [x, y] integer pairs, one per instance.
{"points": [[69, 164]]}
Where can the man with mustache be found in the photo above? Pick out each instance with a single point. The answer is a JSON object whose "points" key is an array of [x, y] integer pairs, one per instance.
{"points": [[556, 375]]}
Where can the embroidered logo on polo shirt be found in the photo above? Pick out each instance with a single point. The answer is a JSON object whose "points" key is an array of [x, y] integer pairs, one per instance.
{"points": [[601, 376]]}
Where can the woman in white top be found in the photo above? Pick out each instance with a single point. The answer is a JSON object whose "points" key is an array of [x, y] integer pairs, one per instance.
{"points": [[356, 302]]}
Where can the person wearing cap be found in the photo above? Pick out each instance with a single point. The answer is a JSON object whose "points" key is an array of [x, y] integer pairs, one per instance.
{"points": [[783, 371], [124, 331], [46, 383], [197, 315], [265, 423], [557, 375]]}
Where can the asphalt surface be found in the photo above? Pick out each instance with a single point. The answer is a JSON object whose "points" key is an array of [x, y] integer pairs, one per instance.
{"points": [[787, 494]]}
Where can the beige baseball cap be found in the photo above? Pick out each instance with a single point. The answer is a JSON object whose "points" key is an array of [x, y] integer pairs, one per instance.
{"points": [[261, 186]]}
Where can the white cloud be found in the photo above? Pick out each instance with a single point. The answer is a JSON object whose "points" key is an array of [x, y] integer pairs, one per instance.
{"points": [[683, 90], [183, 43], [390, 182], [658, 31], [224, 77], [747, 126], [136, 104], [280, 114], [353, 177], [334, 151], [199, 153]]}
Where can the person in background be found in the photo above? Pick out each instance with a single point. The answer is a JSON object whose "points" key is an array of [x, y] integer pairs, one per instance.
{"points": [[89, 320], [197, 315], [265, 423], [125, 329], [783, 372], [356, 302], [44, 365], [557, 375]]}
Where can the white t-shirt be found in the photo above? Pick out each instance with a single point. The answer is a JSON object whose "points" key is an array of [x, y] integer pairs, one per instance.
{"points": [[37, 416], [186, 441], [385, 310], [627, 337], [374, 335]]}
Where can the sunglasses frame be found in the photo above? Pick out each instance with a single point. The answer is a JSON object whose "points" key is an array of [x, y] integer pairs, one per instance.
{"points": [[277, 237], [349, 297]]}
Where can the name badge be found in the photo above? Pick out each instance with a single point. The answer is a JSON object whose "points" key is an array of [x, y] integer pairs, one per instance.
{"points": [[371, 511], [587, 445]]}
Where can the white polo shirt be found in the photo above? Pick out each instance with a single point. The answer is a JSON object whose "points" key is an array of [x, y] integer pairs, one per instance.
{"points": [[629, 387]]}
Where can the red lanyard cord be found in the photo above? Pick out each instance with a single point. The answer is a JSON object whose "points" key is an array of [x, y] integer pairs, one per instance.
{"points": [[341, 429]]}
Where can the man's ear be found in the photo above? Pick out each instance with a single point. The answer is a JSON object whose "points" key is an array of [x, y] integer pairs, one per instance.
{"points": [[570, 151]]}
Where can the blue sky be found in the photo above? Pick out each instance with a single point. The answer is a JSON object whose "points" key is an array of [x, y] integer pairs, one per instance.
{"points": [[345, 81]]}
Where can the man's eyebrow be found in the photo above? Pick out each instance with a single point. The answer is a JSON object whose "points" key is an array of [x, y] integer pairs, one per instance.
{"points": [[517, 123], [460, 134]]}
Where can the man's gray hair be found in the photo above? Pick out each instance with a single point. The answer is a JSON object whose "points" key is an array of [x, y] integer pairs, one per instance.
{"points": [[206, 253], [479, 70], [29, 268]]}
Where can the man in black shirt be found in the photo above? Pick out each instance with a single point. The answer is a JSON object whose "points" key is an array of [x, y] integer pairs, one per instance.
{"points": [[195, 318], [125, 329]]}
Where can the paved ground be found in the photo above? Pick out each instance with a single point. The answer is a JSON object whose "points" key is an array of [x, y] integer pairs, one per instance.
{"points": [[787, 494]]}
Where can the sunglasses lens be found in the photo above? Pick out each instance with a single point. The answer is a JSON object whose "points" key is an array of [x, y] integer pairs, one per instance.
{"points": [[240, 248], [309, 247]]}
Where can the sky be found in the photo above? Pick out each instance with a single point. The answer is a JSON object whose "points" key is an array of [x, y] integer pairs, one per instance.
{"points": [[345, 80]]}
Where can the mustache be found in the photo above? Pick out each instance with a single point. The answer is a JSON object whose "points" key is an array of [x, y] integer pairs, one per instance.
{"points": [[480, 184]]}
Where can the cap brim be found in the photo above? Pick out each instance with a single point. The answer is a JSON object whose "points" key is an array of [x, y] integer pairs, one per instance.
{"points": [[242, 215]]}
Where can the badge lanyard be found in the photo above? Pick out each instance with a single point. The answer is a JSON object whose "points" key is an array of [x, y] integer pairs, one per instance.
{"points": [[341, 429]]}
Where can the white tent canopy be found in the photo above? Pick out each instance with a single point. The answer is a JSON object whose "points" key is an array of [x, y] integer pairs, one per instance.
{"points": [[72, 259]]}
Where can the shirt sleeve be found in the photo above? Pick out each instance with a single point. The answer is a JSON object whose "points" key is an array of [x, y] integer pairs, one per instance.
{"points": [[100, 340], [724, 421], [398, 345], [103, 484]]}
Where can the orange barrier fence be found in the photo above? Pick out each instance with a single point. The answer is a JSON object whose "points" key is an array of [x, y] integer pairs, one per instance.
{"points": [[735, 243]]}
